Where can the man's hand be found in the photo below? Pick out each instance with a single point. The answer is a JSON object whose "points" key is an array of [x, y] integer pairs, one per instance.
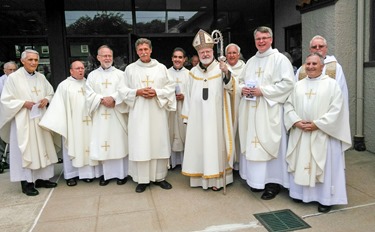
{"points": [[43, 103], [179, 97], [28, 105], [147, 92], [306, 125], [108, 102]]}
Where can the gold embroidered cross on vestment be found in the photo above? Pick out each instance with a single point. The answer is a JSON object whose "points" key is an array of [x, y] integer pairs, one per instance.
{"points": [[106, 114], [106, 145], [35, 91], [106, 83], [259, 71], [147, 81], [310, 93]]}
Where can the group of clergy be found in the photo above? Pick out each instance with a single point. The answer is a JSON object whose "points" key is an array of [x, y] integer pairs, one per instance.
{"points": [[278, 130]]}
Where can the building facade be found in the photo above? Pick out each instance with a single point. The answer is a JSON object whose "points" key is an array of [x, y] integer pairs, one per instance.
{"points": [[64, 31]]}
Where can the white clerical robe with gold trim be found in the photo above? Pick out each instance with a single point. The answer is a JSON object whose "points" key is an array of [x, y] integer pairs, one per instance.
{"points": [[209, 143], [32, 147], [262, 133], [177, 128], [315, 159], [67, 115]]}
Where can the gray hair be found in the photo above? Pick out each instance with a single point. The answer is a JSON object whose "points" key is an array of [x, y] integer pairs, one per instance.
{"points": [[263, 29], [318, 37], [321, 58], [7, 64], [232, 44], [24, 53], [104, 46], [143, 41]]}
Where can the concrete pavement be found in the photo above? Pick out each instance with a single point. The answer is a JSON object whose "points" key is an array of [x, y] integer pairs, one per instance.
{"points": [[89, 207]]}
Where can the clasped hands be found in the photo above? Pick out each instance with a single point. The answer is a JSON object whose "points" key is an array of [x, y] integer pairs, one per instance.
{"points": [[246, 91], [108, 102], [29, 105], [147, 92], [306, 125]]}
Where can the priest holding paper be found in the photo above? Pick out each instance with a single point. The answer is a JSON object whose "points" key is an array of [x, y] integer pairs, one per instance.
{"points": [[266, 82], [23, 101]]}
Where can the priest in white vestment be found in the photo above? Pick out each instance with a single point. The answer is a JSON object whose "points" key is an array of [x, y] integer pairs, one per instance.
{"points": [[177, 128], [67, 115], [332, 68], [209, 146], [233, 56], [109, 139], [149, 92], [23, 102], [266, 82], [319, 127]]}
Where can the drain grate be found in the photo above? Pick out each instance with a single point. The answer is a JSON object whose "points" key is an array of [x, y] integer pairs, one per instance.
{"points": [[281, 220]]}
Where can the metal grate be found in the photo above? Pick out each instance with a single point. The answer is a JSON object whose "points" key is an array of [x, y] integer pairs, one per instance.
{"points": [[281, 220]]}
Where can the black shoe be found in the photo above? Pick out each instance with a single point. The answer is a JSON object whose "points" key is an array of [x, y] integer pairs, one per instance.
{"points": [[5, 165], [254, 190], [44, 184], [324, 208], [122, 181], [87, 180], [271, 191], [103, 182], [71, 182], [297, 200], [163, 184], [141, 188], [28, 189], [60, 161]]}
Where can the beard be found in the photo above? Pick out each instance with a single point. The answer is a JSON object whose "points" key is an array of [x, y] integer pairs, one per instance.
{"points": [[207, 60], [106, 65]]}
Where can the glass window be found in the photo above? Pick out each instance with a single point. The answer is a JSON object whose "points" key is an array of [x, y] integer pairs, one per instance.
{"points": [[98, 22], [163, 21], [23, 22]]}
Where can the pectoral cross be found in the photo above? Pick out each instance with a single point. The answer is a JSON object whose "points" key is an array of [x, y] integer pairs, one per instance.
{"points": [[106, 83], [148, 81], [82, 91], [255, 141], [259, 71], [87, 120], [105, 146], [35, 91], [178, 81], [310, 93], [106, 114]]}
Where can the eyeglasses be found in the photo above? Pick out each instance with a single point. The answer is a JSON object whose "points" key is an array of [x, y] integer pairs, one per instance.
{"points": [[317, 46], [106, 56], [263, 38]]}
